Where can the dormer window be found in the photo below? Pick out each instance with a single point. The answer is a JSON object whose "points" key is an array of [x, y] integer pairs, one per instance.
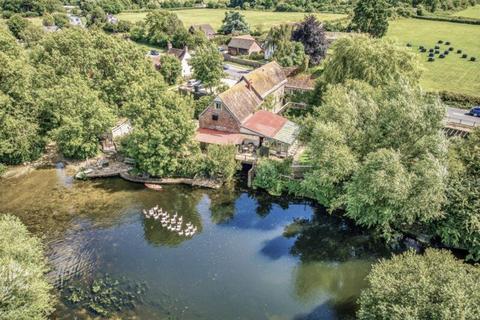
{"points": [[218, 105]]}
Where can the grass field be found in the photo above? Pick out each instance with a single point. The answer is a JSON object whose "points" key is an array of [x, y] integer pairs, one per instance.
{"points": [[471, 12], [256, 19], [452, 73]]}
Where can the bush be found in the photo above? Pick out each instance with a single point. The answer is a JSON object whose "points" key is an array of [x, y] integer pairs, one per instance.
{"points": [[17, 24], [3, 168], [430, 286], [48, 20], [272, 176], [25, 290], [61, 20], [219, 162]]}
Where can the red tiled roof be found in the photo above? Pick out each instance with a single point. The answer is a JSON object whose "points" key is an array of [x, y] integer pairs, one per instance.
{"points": [[219, 137], [264, 123]]}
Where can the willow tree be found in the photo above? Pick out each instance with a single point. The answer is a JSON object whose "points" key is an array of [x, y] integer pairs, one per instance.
{"points": [[431, 286]]}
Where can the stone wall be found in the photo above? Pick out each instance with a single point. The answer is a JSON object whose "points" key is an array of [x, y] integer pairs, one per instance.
{"points": [[225, 122]]}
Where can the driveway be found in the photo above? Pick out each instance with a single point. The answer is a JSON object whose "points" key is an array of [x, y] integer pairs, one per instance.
{"points": [[234, 72]]}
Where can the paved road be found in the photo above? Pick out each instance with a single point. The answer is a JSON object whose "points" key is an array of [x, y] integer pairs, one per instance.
{"points": [[460, 116], [235, 72]]}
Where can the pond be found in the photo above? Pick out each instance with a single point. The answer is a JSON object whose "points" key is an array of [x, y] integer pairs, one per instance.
{"points": [[239, 265]]}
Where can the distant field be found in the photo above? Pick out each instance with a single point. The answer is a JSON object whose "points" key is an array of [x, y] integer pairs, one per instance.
{"points": [[452, 73], [472, 12], [262, 19]]}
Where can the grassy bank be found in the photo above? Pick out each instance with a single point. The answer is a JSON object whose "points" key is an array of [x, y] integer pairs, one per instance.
{"points": [[256, 19], [453, 73], [471, 12]]}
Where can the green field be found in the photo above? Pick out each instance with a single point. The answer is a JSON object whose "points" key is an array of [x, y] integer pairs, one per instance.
{"points": [[256, 19], [452, 73], [471, 12]]}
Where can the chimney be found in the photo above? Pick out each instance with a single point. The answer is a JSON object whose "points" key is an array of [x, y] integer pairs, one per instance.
{"points": [[249, 84], [169, 45]]}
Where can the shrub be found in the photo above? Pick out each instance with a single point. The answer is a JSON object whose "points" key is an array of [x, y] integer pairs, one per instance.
{"points": [[48, 20], [430, 286], [25, 290], [219, 162], [271, 176], [3, 168]]}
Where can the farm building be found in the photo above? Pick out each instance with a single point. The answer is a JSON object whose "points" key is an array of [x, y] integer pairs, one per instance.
{"points": [[205, 28], [238, 116], [243, 45]]}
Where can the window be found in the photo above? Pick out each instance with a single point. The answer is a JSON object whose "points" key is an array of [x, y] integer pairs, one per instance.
{"points": [[218, 105], [215, 117]]}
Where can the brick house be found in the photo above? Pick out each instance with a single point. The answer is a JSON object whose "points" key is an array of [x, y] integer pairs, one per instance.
{"points": [[243, 45], [243, 114]]}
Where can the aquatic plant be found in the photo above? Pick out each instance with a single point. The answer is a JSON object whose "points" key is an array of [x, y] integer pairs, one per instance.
{"points": [[105, 295]]}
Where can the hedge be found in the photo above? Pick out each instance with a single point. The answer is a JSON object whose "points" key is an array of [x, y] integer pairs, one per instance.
{"points": [[449, 19], [461, 98]]}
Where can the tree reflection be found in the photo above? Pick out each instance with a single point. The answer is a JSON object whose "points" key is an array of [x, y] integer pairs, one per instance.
{"points": [[222, 205]]}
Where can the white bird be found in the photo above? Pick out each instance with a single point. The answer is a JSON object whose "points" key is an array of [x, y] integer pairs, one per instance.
{"points": [[180, 233]]}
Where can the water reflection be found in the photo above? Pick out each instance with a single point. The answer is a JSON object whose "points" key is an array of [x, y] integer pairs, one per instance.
{"points": [[239, 265]]}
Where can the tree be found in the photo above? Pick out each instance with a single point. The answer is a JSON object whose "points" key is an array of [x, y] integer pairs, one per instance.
{"points": [[160, 28], [460, 227], [75, 117], [371, 16], [311, 34], [379, 154], [162, 140], [207, 64], [286, 52], [377, 62], [26, 293], [170, 68], [234, 22], [31, 6], [430, 286], [219, 162], [61, 20], [17, 24]]}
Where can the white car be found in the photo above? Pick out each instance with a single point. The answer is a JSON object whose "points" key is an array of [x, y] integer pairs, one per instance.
{"points": [[193, 82]]}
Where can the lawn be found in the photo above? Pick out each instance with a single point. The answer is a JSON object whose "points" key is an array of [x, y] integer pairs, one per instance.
{"points": [[256, 19], [471, 12], [452, 73]]}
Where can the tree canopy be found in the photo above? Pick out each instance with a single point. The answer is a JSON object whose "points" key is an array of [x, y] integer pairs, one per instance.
{"points": [[286, 52], [430, 286], [311, 34], [207, 64], [26, 294], [371, 16], [234, 22]]}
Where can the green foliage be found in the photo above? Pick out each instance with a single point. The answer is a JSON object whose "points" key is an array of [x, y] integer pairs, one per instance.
{"points": [[377, 62], [162, 140], [234, 22], [26, 294], [17, 24], [75, 117], [461, 225], [286, 52], [273, 176], [160, 28], [61, 20], [171, 68], [201, 104], [219, 162], [31, 7], [371, 16], [3, 169], [104, 296], [311, 34], [48, 20], [207, 64], [379, 153], [430, 286]]}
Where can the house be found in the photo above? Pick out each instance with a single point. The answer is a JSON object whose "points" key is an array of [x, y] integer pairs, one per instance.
{"points": [[245, 113], [243, 45], [121, 128], [205, 28], [184, 56]]}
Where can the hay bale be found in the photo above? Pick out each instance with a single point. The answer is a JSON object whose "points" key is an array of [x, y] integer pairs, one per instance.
{"points": [[431, 59], [473, 59], [442, 56], [447, 43], [446, 52], [464, 56], [409, 45], [450, 49], [459, 51], [431, 50], [437, 51], [437, 47], [431, 55], [440, 41]]}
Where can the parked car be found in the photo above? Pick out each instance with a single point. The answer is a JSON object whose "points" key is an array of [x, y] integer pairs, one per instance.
{"points": [[475, 111], [225, 67], [154, 53]]}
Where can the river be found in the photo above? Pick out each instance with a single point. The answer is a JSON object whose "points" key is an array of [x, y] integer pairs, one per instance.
{"points": [[239, 265]]}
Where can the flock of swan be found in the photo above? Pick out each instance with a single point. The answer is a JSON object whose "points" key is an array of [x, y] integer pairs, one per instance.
{"points": [[172, 223]]}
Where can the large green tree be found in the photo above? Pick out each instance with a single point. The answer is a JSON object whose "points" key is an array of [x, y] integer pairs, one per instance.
{"points": [[234, 22], [371, 16], [461, 225], [207, 64], [162, 140], [170, 68], [24, 290], [379, 154], [431, 286]]}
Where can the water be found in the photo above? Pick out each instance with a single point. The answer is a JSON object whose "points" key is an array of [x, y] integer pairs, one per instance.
{"points": [[238, 266]]}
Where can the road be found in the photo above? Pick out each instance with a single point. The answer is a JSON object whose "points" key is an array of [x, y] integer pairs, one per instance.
{"points": [[460, 116], [234, 72]]}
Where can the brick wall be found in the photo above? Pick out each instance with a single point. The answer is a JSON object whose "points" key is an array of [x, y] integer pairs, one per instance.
{"points": [[226, 121]]}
